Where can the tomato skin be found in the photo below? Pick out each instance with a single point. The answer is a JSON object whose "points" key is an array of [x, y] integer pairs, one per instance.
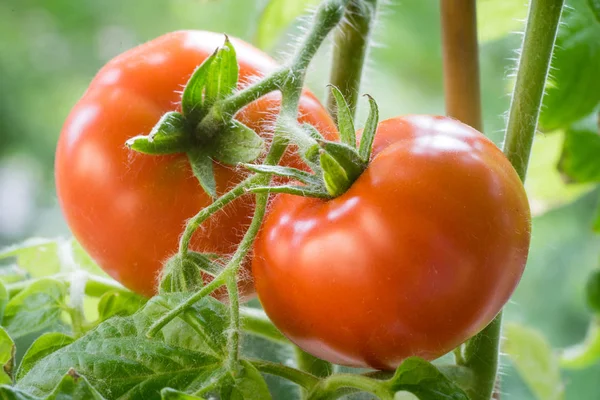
{"points": [[420, 254], [128, 209]]}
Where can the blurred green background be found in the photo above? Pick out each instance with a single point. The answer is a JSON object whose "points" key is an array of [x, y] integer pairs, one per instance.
{"points": [[51, 49]]}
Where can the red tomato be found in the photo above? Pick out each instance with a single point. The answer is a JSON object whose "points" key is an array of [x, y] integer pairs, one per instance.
{"points": [[417, 256], [128, 209]]}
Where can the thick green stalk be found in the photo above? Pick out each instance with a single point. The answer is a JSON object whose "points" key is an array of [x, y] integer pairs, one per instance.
{"points": [[481, 357], [481, 352], [301, 378], [333, 387], [256, 322], [351, 42], [534, 64]]}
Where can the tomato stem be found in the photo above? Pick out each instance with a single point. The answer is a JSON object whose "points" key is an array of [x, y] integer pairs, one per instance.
{"points": [[534, 64], [256, 322], [350, 46], [304, 379], [330, 388], [461, 61]]}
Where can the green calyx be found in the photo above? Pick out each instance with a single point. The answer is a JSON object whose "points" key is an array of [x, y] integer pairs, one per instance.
{"points": [[200, 130], [336, 165]]}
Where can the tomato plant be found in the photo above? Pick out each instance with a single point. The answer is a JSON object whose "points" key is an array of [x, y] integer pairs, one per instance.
{"points": [[128, 210], [417, 256]]}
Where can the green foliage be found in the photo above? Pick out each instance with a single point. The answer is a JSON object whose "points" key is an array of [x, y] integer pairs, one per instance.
{"points": [[579, 160], [118, 358], [202, 166], [118, 302], [574, 89], [237, 144], [424, 380], [37, 307], [276, 17], [46, 344], [7, 357], [71, 387], [38, 257], [344, 118], [247, 384], [593, 291], [498, 18], [535, 361], [166, 137]]}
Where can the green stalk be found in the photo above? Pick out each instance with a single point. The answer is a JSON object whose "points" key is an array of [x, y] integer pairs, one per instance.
{"points": [[351, 42], [534, 64], [332, 387], [481, 352], [305, 380], [256, 322]]}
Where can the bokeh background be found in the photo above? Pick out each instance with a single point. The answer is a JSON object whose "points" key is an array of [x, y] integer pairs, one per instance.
{"points": [[51, 49]]}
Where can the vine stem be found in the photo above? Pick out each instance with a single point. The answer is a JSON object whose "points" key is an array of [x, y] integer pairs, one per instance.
{"points": [[481, 352], [350, 46], [329, 388], [534, 64], [328, 15], [461, 61], [304, 379]]}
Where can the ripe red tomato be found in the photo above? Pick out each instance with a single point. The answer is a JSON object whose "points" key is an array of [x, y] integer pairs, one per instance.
{"points": [[417, 256], [127, 209]]}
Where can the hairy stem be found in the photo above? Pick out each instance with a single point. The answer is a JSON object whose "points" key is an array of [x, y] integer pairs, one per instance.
{"points": [[461, 61], [305, 380], [481, 357], [481, 352], [350, 46], [256, 322], [332, 387], [534, 64]]}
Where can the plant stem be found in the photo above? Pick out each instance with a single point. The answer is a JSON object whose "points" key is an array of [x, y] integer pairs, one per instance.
{"points": [[481, 357], [256, 322], [350, 45], [329, 388], [301, 378], [534, 64], [311, 364], [205, 291], [461, 61], [197, 220]]}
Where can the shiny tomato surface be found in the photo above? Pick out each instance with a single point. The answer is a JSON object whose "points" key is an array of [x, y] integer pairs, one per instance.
{"points": [[128, 209], [420, 254]]}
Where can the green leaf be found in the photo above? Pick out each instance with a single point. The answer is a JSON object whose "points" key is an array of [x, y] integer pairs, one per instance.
{"points": [[7, 357], [498, 18], [202, 166], [580, 160], [592, 291], [573, 90], [585, 354], [119, 360], [595, 6], [119, 303], [192, 100], [10, 393], [237, 144], [46, 344], [74, 386], [36, 308], [286, 172], [424, 380], [534, 360], [335, 177], [168, 136], [83, 260], [39, 257], [3, 300], [368, 134], [223, 74], [276, 17], [248, 384], [596, 226], [344, 118], [172, 394]]}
